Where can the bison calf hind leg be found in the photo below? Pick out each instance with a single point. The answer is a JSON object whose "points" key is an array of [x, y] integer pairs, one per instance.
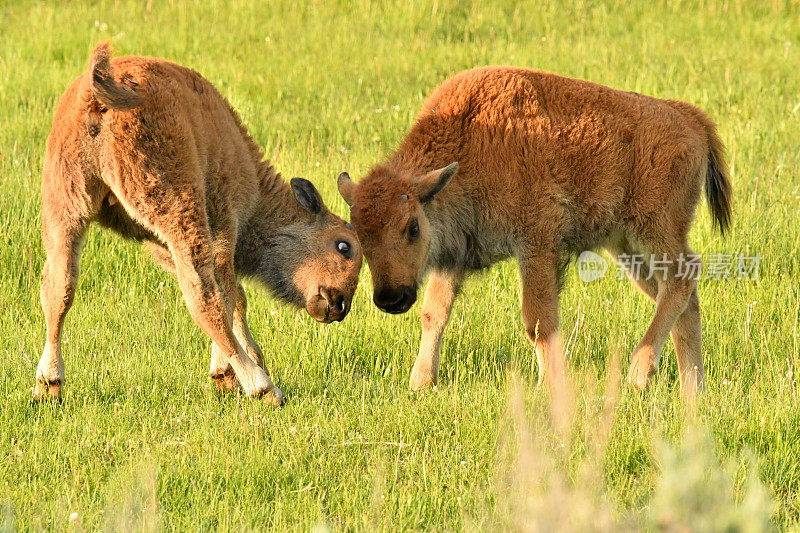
{"points": [[62, 242], [686, 336], [677, 312], [671, 302]]}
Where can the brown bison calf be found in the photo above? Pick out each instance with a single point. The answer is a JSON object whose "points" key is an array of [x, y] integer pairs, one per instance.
{"points": [[150, 149], [508, 162]]}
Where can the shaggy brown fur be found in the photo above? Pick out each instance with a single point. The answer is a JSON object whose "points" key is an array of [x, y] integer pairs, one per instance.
{"points": [[150, 149], [542, 168]]}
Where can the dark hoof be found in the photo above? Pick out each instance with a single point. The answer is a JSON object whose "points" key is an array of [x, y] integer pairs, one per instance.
{"points": [[271, 396], [227, 382], [47, 391]]}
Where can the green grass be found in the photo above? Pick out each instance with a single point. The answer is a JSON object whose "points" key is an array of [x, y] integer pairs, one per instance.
{"points": [[328, 86]]}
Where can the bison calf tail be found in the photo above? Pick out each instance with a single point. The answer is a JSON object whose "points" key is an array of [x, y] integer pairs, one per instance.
{"points": [[104, 88], [718, 185]]}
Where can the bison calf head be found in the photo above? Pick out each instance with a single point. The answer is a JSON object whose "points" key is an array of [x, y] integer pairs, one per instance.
{"points": [[314, 262], [388, 212]]}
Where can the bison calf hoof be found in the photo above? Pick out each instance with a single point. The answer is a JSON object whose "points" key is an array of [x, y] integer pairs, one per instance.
{"points": [[270, 396], [421, 380], [227, 382], [692, 384], [47, 391], [641, 372]]}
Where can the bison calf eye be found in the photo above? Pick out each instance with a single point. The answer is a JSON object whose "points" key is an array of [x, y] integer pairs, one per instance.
{"points": [[413, 230], [343, 247]]}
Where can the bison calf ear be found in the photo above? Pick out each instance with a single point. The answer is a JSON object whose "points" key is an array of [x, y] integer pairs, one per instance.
{"points": [[307, 196], [434, 181], [346, 187]]}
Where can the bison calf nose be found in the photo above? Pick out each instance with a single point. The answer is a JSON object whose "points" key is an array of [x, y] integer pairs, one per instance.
{"points": [[396, 300], [338, 306]]}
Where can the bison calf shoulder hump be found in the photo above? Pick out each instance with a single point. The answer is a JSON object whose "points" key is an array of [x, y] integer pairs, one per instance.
{"points": [[151, 150], [508, 162]]}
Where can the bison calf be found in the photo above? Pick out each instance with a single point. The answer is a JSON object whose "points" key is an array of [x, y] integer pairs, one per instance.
{"points": [[151, 150], [509, 162]]}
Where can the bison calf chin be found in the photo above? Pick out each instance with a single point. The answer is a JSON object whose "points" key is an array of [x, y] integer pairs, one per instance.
{"points": [[151, 150], [508, 162]]}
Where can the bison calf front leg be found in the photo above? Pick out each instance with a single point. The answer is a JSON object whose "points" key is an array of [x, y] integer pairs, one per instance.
{"points": [[242, 330], [439, 297], [221, 370], [539, 288], [208, 308]]}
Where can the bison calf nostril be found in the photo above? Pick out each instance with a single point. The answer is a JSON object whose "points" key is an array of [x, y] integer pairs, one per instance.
{"points": [[340, 304]]}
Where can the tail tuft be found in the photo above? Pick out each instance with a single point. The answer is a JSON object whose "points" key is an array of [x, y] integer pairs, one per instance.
{"points": [[105, 89], [719, 193], [718, 185]]}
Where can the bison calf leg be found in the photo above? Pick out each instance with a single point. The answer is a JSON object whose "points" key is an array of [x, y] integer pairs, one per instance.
{"points": [[686, 336], [221, 370], [685, 333], [242, 330], [177, 214], [242, 366], [673, 312], [539, 288], [58, 291], [206, 303], [439, 297]]}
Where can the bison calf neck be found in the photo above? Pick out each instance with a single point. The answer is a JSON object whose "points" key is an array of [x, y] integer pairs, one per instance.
{"points": [[150, 149], [507, 162]]}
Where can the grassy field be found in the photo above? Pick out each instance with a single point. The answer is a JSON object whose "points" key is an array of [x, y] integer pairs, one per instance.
{"points": [[143, 441]]}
